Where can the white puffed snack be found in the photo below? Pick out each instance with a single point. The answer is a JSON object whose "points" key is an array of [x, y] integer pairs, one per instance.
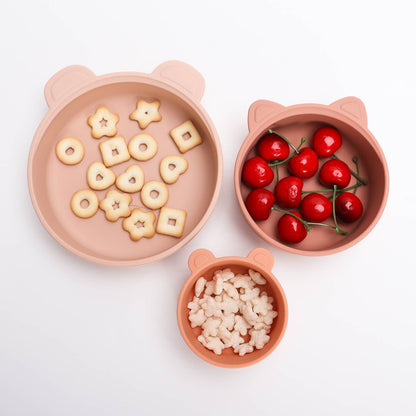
{"points": [[199, 286], [232, 312], [197, 319], [212, 343], [210, 327], [259, 338], [257, 277], [243, 349]]}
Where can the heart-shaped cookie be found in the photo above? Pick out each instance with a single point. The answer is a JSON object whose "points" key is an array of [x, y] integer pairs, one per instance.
{"points": [[131, 180], [99, 177], [171, 167]]}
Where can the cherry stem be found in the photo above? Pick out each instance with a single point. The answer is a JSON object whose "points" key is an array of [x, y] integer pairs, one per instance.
{"points": [[357, 166], [286, 140], [334, 215], [356, 175], [308, 224], [357, 185], [277, 172]]}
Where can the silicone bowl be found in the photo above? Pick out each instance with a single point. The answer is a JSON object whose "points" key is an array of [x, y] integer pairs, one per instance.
{"points": [[73, 94], [203, 263], [349, 116]]}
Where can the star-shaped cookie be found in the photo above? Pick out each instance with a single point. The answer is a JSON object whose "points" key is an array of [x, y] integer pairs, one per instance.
{"points": [[146, 112], [103, 123]]}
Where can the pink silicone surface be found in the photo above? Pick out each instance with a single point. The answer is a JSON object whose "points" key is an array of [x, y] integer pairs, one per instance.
{"points": [[179, 88], [348, 115], [203, 263]]}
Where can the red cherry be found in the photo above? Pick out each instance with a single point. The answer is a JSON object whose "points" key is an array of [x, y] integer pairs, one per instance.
{"points": [[288, 192], [316, 207], [258, 203], [272, 147], [335, 172], [290, 229], [326, 141], [257, 173], [348, 207], [305, 164]]}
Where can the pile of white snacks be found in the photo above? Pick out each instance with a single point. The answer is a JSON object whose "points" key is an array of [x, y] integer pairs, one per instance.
{"points": [[232, 307]]}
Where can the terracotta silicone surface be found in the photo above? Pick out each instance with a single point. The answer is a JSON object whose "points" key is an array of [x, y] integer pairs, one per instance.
{"points": [[349, 116], [75, 93], [203, 263]]}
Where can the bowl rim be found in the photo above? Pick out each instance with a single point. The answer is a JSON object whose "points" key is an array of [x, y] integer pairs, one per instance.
{"points": [[230, 261], [295, 111], [105, 80]]}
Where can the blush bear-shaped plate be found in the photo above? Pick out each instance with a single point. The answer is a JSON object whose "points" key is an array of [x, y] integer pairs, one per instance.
{"points": [[74, 94], [349, 117]]}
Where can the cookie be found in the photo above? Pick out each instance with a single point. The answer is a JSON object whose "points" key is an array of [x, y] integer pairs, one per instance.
{"points": [[103, 123], [171, 222], [131, 180], [171, 167], [146, 112], [70, 150], [140, 224], [154, 194], [84, 203], [142, 146], [99, 177], [116, 205], [186, 136], [114, 151]]}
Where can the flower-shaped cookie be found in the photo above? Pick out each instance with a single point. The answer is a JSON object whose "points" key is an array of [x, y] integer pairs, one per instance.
{"points": [[116, 205], [103, 123], [140, 224]]}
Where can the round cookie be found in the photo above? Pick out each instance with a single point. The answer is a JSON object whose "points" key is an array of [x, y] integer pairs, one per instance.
{"points": [[70, 150], [142, 146], [91, 204], [154, 194]]}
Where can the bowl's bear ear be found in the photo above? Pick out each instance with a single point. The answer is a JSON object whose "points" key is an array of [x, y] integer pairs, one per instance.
{"points": [[353, 107], [200, 258], [260, 110]]}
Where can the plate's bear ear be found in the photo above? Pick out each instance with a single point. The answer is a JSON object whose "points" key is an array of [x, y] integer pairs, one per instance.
{"points": [[182, 75], [260, 110], [65, 82], [353, 107]]}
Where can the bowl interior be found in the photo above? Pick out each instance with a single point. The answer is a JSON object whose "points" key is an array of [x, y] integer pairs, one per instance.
{"points": [[228, 358], [54, 183], [323, 240]]}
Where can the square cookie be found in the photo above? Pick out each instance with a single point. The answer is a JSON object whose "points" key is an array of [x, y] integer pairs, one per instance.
{"points": [[114, 151]]}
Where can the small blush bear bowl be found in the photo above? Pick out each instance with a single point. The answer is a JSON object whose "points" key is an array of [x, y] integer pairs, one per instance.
{"points": [[349, 117], [73, 95], [203, 263]]}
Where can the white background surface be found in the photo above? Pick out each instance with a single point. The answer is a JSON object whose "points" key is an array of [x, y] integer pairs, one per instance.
{"points": [[80, 339]]}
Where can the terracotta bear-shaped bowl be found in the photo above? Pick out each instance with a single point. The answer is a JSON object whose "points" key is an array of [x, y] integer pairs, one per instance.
{"points": [[349, 117], [74, 94], [203, 263]]}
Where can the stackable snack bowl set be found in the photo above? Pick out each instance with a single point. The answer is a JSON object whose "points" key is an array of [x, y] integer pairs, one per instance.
{"points": [[74, 93]]}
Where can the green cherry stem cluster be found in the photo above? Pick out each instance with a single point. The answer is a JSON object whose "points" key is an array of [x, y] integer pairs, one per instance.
{"points": [[276, 163], [335, 191]]}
